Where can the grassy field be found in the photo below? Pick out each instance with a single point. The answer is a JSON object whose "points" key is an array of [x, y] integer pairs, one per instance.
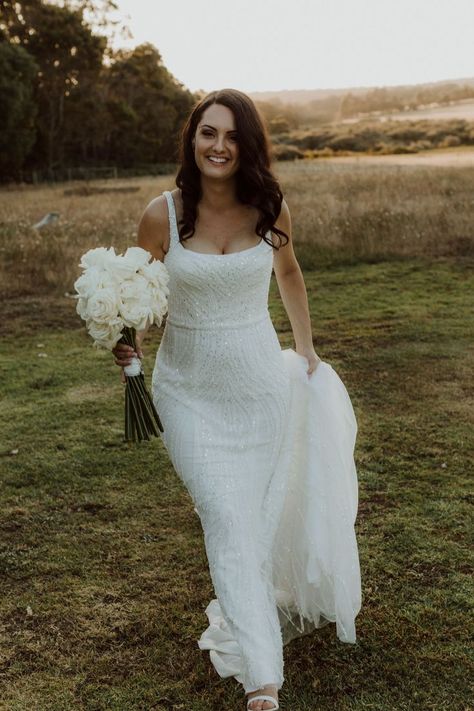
{"points": [[103, 566]]}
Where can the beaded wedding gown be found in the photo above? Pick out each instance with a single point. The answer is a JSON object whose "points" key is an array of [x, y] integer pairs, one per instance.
{"points": [[266, 455]]}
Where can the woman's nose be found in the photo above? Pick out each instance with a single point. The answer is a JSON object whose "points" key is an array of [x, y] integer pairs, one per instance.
{"points": [[219, 144]]}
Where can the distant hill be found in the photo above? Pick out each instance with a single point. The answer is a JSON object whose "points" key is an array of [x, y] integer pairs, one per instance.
{"points": [[305, 96], [291, 109]]}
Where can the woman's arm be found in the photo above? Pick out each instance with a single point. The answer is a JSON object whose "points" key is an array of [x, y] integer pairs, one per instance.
{"points": [[153, 231], [293, 293], [152, 235]]}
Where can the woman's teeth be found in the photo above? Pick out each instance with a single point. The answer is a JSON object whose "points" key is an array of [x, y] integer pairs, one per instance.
{"points": [[217, 160]]}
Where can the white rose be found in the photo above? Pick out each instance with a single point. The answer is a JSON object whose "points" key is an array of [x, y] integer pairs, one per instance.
{"points": [[106, 333], [128, 264], [159, 304], [81, 308], [157, 273], [133, 289], [91, 281], [158, 315], [137, 313], [137, 256], [103, 305], [100, 257]]}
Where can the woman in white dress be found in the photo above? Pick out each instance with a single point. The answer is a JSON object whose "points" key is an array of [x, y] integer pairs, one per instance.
{"points": [[262, 437]]}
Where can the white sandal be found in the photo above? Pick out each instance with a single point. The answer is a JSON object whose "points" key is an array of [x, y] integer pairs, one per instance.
{"points": [[263, 697]]}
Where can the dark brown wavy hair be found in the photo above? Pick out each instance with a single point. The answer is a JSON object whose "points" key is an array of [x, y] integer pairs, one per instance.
{"points": [[256, 184]]}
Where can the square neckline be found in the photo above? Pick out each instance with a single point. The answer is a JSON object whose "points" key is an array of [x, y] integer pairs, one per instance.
{"points": [[174, 225]]}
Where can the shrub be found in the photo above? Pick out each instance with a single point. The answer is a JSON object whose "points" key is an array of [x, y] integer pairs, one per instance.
{"points": [[285, 138], [423, 145], [405, 149], [278, 125], [348, 142], [314, 141], [406, 134], [325, 152], [287, 152], [450, 141]]}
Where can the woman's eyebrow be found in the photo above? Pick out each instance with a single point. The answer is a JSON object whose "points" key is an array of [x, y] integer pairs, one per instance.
{"points": [[232, 130]]}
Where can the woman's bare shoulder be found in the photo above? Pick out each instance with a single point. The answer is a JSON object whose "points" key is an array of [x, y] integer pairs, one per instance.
{"points": [[153, 228], [156, 210]]}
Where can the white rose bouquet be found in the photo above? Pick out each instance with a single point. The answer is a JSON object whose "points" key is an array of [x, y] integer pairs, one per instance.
{"points": [[119, 295]]}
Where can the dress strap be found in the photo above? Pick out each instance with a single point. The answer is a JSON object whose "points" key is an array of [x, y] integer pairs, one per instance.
{"points": [[174, 232]]}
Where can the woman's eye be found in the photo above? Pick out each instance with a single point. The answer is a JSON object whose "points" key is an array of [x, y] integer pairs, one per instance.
{"points": [[208, 133]]}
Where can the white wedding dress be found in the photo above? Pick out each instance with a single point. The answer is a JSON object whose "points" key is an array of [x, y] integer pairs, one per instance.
{"points": [[266, 455]]}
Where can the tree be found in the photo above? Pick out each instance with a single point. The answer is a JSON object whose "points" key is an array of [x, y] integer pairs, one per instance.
{"points": [[146, 106], [17, 108], [68, 56], [91, 105]]}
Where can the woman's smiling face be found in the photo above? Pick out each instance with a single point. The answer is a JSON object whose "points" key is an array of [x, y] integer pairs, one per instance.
{"points": [[216, 138]]}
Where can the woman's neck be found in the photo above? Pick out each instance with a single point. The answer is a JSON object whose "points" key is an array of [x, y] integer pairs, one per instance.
{"points": [[218, 196]]}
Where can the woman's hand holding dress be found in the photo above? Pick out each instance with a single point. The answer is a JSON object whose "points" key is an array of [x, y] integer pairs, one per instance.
{"points": [[312, 358]]}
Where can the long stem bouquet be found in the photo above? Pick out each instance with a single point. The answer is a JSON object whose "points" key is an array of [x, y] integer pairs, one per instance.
{"points": [[118, 295]]}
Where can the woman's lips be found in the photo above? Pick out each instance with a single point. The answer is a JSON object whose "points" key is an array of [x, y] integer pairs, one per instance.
{"points": [[221, 162]]}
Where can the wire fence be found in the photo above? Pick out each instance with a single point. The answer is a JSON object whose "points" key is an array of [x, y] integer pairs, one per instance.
{"points": [[87, 173]]}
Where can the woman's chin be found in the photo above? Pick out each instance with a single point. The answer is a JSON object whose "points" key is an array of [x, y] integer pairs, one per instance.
{"points": [[218, 175]]}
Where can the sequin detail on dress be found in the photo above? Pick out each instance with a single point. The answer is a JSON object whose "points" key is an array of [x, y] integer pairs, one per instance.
{"points": [[265, 454]]}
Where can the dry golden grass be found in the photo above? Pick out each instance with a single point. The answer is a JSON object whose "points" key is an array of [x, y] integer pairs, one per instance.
{"points": [[341, 212]]}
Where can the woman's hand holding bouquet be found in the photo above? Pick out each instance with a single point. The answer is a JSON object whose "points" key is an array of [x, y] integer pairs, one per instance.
{"points": [[118, 296], [124, 354]]}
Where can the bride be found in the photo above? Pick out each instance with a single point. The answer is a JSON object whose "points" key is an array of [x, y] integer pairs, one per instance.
{"points": [[261, 437]]}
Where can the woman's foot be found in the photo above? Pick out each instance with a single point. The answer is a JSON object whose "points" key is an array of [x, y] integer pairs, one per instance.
{"points": [[262, 705]]}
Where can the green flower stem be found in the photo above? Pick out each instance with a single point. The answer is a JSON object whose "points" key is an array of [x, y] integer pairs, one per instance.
{"points": [[141, 417], [148, 406]]}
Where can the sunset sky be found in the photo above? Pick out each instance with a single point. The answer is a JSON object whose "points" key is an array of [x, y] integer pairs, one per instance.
{"points": [[258, 45]]}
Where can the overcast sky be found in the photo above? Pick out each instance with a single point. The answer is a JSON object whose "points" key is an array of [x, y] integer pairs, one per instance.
{"points": [[259, 45]]}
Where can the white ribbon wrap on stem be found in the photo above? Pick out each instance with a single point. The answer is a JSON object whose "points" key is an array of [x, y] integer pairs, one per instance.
{"points": [[135, 368]]}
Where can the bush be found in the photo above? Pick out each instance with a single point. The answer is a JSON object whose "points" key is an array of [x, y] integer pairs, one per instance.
{"points": [[406, 134], [383, 148], [405, 149], [325, 152], [450, 141], [278, 125], [423, 145], [314, 141], [285, 138], [287, 152], [348, 142]]}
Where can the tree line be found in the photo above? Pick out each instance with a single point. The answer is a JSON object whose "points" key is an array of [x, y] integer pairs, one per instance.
{"points": [[68, 99]]}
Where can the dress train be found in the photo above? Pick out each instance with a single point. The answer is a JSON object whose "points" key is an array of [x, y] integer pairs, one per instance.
{"points": [[313, 571]]}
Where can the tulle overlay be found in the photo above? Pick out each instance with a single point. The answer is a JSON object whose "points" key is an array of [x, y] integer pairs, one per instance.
{"points": [[267, 457]]}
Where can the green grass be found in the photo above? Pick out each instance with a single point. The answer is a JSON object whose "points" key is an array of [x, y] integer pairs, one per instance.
{"points": [[100, 539]]}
